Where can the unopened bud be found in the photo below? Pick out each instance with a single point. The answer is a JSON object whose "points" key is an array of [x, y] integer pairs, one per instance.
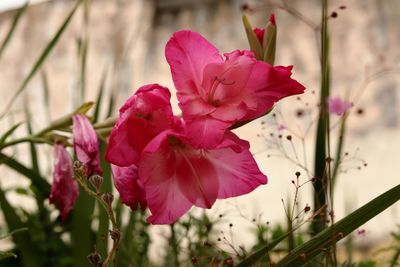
{"points": [[94, 258], [96, 181], [108, 198], [228, 261], [115, 234], [79, 169]]}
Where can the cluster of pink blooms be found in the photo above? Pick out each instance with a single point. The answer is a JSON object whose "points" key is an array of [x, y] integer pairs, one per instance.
{"points": [[170, 163]]}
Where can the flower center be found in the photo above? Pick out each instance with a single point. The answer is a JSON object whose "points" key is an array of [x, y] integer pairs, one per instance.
{"points": [[216, 81]]}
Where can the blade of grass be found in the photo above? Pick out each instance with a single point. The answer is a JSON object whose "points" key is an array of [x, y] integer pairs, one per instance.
{"points": [[30, 254], [102, 243], [38, 181], [46, 95], [330, 236], [49, 47], [9, 132], [99, 97], [321, 168], [14, 23]]}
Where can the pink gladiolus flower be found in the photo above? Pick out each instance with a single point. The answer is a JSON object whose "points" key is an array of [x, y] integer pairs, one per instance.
{"points": [[338, 106], [64, 190], [130, 188], [86, 144], [215, 93], [177, 176], [144, 115]]}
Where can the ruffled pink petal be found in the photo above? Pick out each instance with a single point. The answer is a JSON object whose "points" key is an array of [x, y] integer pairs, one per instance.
{"points": [[144, 115], [237, 173], [206, 132], [64, 190], [86, 144], [196, 108], [131, 190], [188, 53], [267, 84]]}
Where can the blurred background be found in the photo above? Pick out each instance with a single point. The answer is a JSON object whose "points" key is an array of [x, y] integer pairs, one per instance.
{"points": [[119, 45]]}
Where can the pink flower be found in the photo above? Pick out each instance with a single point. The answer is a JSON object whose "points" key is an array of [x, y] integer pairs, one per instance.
{"points": [[86, 144], [338, 106], [144, 115], [130, 188], [215, 93], [177, 176], [64, 190]]}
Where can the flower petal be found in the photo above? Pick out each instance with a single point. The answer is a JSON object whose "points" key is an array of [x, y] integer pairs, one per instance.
{"points": [[144, 115], [86, 144], [187, 54], [126, 181], [64, 190]]}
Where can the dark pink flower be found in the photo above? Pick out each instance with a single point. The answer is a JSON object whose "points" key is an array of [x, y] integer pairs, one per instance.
{"points": [[338, 106], [272, 19], [215, 93], [130, 188], [260, 34], [144, 115], [64, 190], [177, 176], [86, 144]]}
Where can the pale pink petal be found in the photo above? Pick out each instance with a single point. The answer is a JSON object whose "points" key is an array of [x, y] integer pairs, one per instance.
{"points": [[64, 190], [86, 144], [338, 106], [188, 53], [144, 115]]}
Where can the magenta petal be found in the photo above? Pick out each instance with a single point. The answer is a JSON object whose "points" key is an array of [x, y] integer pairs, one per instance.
{"points": [[165, 197], [206, 132], [187, 54], [238, 173], [143, 116], [86, 144], [64, 190], [260, 34], [131, 190]]}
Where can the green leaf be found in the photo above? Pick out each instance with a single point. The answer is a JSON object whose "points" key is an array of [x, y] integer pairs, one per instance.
{"points": [[99, 97], [9, 132], [10, 33], [41, 58], [269, 45], [38, 181], [5, 255], [22, 239], [102, 243], [330, 236], [13, 232]]}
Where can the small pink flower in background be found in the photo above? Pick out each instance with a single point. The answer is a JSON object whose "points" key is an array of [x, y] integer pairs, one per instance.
{"points": [[86, 144], [215, 93], [130, 188], [64, 190], [144, 115], [338, 106], [177, 176], [281, 127]]}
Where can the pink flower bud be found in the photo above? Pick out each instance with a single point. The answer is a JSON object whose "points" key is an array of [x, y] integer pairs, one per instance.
{"points": [[64, 190], [260, 34], [86, 144], [272, 19]]}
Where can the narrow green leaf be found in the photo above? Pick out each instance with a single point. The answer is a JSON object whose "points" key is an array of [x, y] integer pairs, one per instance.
{"points": [[330, 236], [13, 232], [38, 181], [30, 255], [255, 45], [41, 58], [269, 45], [111, 105], [46, 94], [99, 97], [5, 255], [10, 33], [321, 168], [9, 132], [32, 147], [102, 243]]}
